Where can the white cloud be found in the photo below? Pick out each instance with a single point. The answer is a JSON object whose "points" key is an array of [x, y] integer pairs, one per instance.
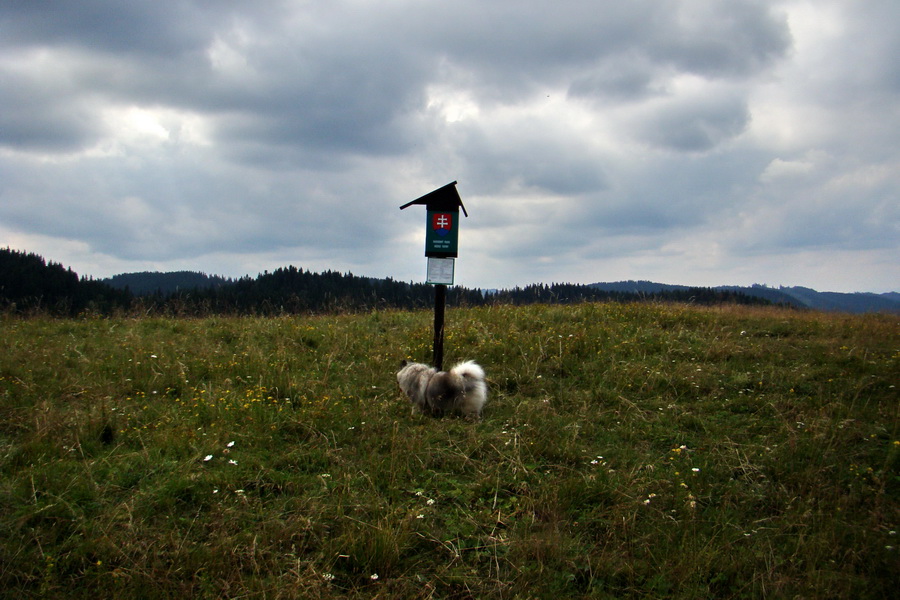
{"points": [[782, 169]]}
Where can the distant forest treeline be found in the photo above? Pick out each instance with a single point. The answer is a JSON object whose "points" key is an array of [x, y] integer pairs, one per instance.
{"points": [[30, 284]]}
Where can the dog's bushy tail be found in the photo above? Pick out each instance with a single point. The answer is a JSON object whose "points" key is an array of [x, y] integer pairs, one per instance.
{"points": [[471, 376], [470, 370]]}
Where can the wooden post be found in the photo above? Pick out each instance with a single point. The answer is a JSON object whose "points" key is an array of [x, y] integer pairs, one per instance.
{"points": [[441, 240], [440, 299]]}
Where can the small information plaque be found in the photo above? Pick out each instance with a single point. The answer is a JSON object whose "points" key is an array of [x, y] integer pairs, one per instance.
{"points": [[440, 271]]}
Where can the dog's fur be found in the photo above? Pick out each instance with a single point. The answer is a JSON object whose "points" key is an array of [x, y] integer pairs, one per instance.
{"points": [[459, 391]]}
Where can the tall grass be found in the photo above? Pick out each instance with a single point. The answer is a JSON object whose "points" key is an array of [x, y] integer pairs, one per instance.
{"points": [[652, 451]]}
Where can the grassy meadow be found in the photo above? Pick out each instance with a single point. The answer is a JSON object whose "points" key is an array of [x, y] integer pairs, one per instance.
{"points": [[626, 451]]}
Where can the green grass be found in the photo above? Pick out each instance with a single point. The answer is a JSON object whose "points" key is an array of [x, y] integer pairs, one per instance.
{"points": [[651, 451]]}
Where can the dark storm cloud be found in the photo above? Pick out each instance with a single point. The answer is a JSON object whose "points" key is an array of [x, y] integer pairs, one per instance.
{"points": [[622, 79], [351, 80], [32, 117], [133, 27], [719, 39], [697, 125], [631, 135]]}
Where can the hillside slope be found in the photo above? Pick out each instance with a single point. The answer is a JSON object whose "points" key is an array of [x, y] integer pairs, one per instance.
{"points": [[800, 297]]}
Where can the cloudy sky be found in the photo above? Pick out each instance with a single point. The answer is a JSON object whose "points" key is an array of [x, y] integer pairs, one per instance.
{"points": [[696, 142]]}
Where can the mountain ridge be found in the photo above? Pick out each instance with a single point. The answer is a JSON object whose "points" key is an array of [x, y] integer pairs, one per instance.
{"points": [[798, 296]]}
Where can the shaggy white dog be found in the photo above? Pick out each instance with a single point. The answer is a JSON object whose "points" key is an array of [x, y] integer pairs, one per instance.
{"points": [[461, 390]]}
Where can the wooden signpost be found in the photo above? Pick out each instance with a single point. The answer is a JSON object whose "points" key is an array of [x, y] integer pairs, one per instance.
{"points": [[441, 241]]}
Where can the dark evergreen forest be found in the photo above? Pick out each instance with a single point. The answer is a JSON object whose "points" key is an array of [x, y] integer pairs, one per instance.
{"points": [[31, 285]]}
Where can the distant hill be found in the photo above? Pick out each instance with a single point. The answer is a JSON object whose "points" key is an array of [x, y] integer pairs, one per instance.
{"points": [[773, 295], [141, 284], [853, 303], [639, 287], [800, 297]]}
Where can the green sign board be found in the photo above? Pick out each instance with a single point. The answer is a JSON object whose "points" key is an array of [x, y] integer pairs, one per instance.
{"points": [[442, 221], [442, 233]]}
